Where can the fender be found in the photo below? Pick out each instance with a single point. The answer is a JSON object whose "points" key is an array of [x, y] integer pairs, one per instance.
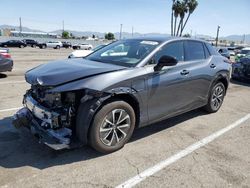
{"points": [[90, 105]]}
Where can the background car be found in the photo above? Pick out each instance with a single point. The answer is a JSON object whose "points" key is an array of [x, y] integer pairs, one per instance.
{"points": [[30, 42], [224, 52], [243, 52], [54, 44], [66, 44], [241, 69], [13, 43], [84, 53], [82, 46], [231, 51], [6, 63]]}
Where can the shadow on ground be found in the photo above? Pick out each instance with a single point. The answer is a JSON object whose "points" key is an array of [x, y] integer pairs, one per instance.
{"points": [[3, 76], [19, 148], [241, 83]]}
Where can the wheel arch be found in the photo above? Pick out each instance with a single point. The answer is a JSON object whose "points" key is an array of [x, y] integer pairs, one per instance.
{"points": [[92, 106]]}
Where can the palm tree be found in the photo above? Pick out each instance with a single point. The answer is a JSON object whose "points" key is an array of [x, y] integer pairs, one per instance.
{"points": [[191, 5], [182, 11], [176, 10], [172, 19]]}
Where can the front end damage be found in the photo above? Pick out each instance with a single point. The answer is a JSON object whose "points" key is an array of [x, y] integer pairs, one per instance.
{"points": [[51, 117]]}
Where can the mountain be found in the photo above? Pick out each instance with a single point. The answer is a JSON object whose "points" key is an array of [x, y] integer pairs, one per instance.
{"points": [[17, 28], [236, 38]]}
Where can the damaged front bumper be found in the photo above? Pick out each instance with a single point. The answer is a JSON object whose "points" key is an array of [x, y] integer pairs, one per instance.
{"points": [[37, 118]]}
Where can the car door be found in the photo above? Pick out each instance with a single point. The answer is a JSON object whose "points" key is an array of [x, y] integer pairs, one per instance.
{"points": [[197, 59], [168, 88]]}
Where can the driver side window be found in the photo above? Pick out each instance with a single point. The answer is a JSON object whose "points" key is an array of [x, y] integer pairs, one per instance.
{"points": [[173, 49]]}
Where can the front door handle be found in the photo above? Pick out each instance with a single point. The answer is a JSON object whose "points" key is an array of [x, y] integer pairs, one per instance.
{"points": [[213, 66], [184, 72]]}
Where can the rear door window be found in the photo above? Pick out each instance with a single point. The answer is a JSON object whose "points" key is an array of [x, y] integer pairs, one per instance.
{"points": [[194, 51]]}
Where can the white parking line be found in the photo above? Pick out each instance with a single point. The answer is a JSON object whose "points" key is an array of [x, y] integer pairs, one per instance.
{"points": [[12, 82], [10, 109], [163, 164]]}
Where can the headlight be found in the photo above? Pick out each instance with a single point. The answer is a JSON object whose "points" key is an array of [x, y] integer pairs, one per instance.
{"points": [[39, 81]]}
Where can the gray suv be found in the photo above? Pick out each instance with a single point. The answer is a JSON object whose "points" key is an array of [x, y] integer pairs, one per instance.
{"points": [[101, 99]]}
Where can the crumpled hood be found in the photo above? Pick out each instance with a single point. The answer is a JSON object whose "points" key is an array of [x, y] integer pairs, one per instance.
{"points": [[63, 71]]}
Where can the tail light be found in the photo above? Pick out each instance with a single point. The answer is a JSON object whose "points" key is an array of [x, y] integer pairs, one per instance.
{"points": [[6, 55]]}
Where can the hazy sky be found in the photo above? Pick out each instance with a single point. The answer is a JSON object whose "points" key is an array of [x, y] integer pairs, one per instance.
{"points": [[145, 15]]}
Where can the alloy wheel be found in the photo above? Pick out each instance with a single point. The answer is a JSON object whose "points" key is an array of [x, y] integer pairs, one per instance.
{"points": [[217, 97], [115, 127]]}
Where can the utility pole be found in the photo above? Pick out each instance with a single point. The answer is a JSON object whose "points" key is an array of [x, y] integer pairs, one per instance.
{"points": [[243, 40], [63, 26], [20, 26], [132, 31], [121, 32], [217, 36]]}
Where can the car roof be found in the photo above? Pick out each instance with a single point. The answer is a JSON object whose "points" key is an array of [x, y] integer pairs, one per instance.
{"points": [[247, 48], [161, 39]]}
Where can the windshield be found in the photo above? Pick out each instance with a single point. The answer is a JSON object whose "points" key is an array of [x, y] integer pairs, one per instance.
{"points": [[125, 52]]}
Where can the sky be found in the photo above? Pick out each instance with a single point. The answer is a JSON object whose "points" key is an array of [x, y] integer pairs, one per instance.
{"points": [[146, 16]]}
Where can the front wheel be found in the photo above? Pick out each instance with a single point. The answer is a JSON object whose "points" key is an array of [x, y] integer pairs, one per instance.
{"points": [[216, 98], [112, 127]]}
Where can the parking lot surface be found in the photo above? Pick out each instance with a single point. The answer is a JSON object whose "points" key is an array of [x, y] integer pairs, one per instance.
{"points": [[224, 162]]}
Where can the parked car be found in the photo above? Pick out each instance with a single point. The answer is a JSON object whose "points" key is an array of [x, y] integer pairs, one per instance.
{"points": [[66, 44], [54, 44], [6, 63], [224, 52], [84, 53], [42, 45], [241, 69], [13, 43], [231, 51], [242, 53], [31, 42], [82, 47], [103, 97]]}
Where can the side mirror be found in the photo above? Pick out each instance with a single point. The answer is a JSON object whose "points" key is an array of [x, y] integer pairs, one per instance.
{"points": [[165, 61]]}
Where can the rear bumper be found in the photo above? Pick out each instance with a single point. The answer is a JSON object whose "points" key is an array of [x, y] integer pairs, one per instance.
{"points": [[6, 66], [37, 120]]}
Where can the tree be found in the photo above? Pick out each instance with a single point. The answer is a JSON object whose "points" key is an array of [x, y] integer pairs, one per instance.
{"points": [[179, 9], [187, 35], [172, 18], [191, 4], [109, 36], [65, 34], [182, 11]]}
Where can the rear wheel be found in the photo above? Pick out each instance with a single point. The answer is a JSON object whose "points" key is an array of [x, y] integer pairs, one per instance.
{"points": [[216, 98], [112, 127]]}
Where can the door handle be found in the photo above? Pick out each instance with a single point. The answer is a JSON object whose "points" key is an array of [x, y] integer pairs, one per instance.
{"points": [[184, 72], [213, 66]]}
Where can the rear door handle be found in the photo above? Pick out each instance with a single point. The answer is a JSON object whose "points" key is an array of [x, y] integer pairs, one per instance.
{"points": [[213, 66], [184, 72]]}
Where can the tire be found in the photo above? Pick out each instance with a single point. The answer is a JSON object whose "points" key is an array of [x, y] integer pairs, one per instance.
{"points": [[107, 136], [89, 48], [33, 46], [216, 97], [21, 46]]}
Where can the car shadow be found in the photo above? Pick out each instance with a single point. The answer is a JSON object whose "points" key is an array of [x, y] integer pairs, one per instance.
{"points": [[242, 83], [3, 75], [19, 148]]}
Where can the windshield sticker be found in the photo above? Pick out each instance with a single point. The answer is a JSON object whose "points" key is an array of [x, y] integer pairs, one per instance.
{"points": [[149, 42]]}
